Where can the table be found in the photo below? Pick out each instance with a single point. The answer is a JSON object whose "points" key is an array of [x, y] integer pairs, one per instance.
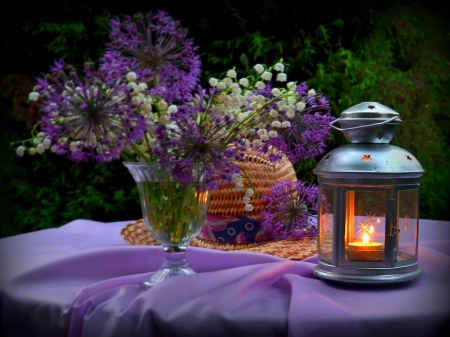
{"points": [[82, 279]]}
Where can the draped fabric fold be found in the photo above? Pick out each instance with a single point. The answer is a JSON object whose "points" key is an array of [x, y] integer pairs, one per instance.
{"points": [[83, 280]]}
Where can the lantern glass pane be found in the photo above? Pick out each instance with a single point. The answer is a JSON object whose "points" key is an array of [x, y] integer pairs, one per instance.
{"points": [[325, 237], [407, 222], [365, 215]]}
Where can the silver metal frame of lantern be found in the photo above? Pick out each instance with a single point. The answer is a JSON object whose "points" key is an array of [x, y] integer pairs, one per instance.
{"points": [[367, 177]]}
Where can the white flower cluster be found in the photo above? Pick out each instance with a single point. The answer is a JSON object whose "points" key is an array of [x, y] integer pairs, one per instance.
{"points": [[238, 182], [241, 99], [161, 114], [154, 109], [33, 96], [140, 99], [263, 117], [40, 144], [267, 75]]}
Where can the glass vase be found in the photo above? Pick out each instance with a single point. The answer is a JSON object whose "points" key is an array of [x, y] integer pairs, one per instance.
{"points": [[174, 213]]}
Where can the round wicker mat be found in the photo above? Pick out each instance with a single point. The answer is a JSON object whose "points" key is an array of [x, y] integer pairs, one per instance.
{"points": [[136, 234]]}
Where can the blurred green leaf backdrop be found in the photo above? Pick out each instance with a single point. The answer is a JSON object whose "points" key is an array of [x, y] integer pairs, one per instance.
{"points": [[393, 52]]}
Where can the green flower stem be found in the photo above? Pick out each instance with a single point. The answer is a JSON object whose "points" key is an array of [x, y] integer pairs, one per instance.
{"points": [[126, 156], [173, 212], [139, 152]]}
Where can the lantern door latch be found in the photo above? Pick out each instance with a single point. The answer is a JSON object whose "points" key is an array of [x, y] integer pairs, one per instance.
{"points": [[395, 230]]}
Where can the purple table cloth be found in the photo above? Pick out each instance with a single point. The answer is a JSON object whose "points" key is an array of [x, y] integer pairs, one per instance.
{"points": [[83, 280]]}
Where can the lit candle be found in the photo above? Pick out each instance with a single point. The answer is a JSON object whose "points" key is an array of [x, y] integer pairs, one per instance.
{"points": [[365, 250]]}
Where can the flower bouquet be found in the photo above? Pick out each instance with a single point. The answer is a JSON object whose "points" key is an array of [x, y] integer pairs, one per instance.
{"points": [[144, 104]]}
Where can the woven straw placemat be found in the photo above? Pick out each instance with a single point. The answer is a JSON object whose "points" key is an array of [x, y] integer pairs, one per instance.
{"points": [[136, 234]]}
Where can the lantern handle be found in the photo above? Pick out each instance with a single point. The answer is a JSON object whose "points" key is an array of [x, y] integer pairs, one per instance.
{"points": [[361, 126]]}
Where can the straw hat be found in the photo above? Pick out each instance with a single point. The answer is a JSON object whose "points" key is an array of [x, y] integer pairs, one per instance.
{"points": [[227, 220]]}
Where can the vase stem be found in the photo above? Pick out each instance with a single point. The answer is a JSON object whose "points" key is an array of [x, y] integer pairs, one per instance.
{"points": [[174, 264]]}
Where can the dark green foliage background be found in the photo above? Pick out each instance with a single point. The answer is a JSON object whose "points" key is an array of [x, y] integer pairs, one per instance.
{"points": [[396, 53]]}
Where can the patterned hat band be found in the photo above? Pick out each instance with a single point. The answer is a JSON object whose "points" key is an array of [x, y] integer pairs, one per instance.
{"points": [[232, 229]]}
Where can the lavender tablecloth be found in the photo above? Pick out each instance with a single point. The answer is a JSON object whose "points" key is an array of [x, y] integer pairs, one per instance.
{"points": [[83, 280]]}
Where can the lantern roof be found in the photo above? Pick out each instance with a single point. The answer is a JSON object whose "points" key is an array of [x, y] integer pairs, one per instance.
{"points": [[374, 159]]}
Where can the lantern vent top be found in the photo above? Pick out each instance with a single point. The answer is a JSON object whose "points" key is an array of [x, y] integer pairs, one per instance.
{"points": [[369, 123]]}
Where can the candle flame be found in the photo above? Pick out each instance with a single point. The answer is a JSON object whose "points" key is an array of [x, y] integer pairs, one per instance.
{"points": [[378, 220], [371, 229], [365, 238]]}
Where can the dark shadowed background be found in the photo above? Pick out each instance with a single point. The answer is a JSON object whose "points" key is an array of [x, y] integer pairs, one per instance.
{"points": [[393, 52]]}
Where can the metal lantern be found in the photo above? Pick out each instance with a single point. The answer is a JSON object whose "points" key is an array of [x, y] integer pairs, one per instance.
{"points": [[368, 202]]}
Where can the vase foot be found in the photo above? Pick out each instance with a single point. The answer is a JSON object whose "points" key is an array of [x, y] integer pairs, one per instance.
{"points": [[174, 265], [164, 274]]}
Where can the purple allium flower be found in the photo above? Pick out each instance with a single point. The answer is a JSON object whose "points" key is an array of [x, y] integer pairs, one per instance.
{"points": [[155, 47], [309, 130], [199, 135], [307, 136], [87, 119], [291, 210]]}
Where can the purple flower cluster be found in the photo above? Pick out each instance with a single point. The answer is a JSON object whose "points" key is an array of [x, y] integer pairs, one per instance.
{"points": [[198, 135], [156, 48], [291, 210], [104, 114], [87, 119], [309, 130]]}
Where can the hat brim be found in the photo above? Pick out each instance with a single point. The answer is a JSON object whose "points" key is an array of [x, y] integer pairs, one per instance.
{"points": [[136, 234]]}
